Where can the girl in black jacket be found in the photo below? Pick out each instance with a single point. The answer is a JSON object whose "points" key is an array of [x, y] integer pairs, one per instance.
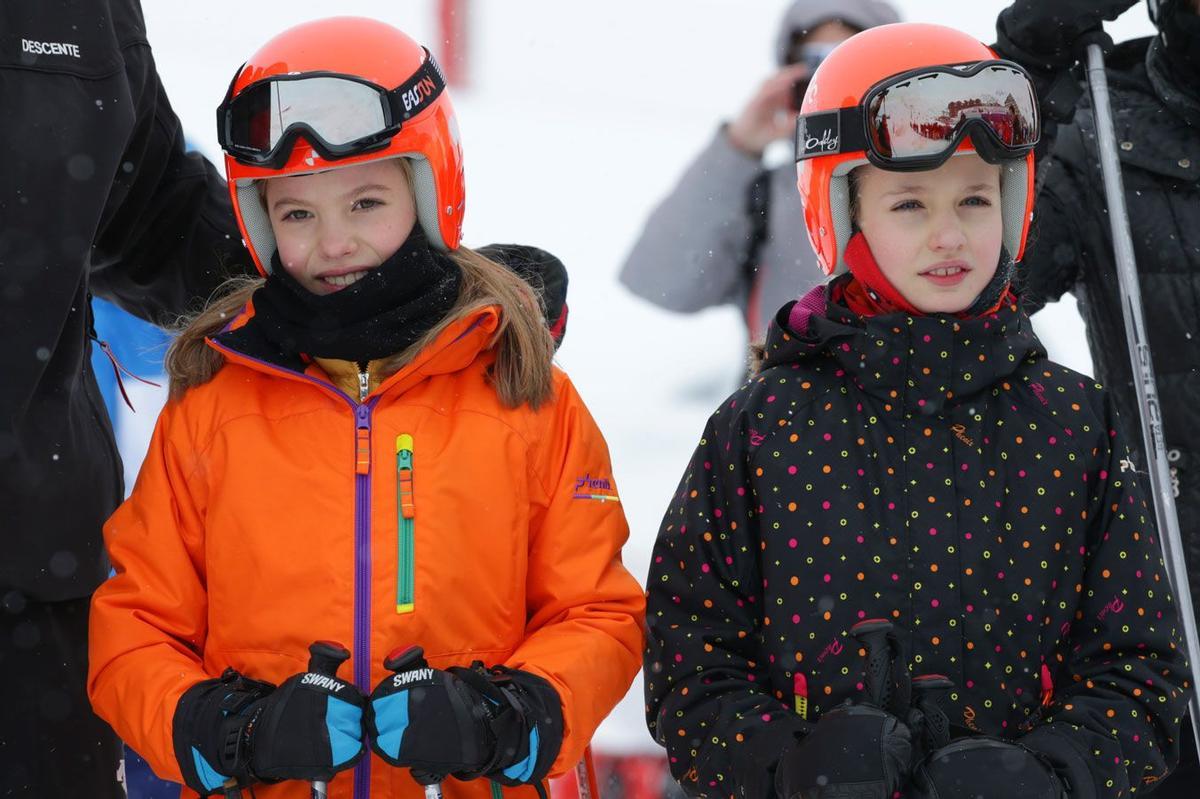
{"points": [[906, 557]]}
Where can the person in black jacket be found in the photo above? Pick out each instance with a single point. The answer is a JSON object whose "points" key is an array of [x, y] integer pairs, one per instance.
{"points": [[1155, 96], [97, 195], [904, 557]]}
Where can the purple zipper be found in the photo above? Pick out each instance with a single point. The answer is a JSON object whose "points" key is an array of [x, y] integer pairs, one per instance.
{"points": [[362, 589], [362, 552]]}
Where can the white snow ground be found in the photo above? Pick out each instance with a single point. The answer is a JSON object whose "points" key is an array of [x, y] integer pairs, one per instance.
{"points": [[579, 117]]}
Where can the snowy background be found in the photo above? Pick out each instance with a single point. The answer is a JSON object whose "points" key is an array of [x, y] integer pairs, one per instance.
{"points": [[578, 118]]}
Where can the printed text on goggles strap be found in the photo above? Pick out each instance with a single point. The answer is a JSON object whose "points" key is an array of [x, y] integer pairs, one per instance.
{"points": [[341, 115], [917, 119]]}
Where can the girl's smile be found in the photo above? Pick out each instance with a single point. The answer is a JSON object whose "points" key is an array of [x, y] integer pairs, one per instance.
{"points": [[333, 227]]}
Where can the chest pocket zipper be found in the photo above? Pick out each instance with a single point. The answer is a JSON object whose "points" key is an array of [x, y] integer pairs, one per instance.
{"points": [[406, 515]]}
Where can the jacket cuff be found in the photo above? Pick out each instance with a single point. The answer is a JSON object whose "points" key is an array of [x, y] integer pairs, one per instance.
{"points": [[544, 728], [1060, 744]]}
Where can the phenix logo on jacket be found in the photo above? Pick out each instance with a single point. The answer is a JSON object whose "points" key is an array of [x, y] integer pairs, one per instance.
{"points": [[906, 469]]}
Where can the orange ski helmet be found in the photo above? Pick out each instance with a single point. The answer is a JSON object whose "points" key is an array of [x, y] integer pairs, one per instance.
{"points": [[336, 92], [843, 124]]}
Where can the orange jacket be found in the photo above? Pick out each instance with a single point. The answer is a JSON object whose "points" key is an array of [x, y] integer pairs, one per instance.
{"points": [[266, 517]]}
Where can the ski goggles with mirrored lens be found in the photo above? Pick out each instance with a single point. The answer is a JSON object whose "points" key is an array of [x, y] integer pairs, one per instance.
{"points": [[340, 115], [916, 120]]}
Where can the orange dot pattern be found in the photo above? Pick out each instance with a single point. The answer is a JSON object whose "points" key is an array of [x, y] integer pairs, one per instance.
{"points": [[938, 473]]}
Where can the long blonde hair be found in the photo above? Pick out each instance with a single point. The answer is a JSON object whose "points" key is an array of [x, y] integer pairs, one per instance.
{"points": [[521, 373]]}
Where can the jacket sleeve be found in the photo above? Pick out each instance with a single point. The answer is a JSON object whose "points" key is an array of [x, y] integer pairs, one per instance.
{"points": [[148, 622], [584, 611], [1123, 684], [704, 672], [691, 252], [168, 237]]}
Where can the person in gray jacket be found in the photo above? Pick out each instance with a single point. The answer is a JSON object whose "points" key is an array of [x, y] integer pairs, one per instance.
{"points": [[732, 231]]}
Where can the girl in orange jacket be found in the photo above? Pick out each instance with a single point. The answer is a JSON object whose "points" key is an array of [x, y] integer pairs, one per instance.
{"points": [[370, 446]]}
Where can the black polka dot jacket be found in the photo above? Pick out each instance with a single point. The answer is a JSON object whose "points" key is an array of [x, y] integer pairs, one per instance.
{"points": [[944, 475]]}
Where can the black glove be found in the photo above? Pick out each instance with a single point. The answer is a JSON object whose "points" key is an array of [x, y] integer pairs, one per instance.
{"points": [[500, 723], [1051, 34], [853, 752], [237, 731], [985, 768], [864, 750]]}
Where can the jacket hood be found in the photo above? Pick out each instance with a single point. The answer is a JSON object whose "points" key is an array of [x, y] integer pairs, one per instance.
{"points": [[928, 360], [804, 15]]}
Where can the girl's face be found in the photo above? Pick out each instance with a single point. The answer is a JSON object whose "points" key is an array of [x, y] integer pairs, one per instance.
{"points": [[936, 235], [332, 227]]}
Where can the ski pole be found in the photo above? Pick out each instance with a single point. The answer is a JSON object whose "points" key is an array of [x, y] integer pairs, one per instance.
{"points": [[1143, 369], [324, 657], [403, 659], [585, 776]]}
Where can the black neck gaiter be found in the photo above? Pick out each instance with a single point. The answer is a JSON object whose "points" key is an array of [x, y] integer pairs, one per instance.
{"points": [[388, 309]]}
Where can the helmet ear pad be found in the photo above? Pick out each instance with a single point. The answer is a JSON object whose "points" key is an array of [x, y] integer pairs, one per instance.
{"points": [[260, 237], [1015, 199]]}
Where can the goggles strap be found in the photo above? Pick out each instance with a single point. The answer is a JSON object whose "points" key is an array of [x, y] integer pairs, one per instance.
{"points": [[418, 92], [830, 133]]}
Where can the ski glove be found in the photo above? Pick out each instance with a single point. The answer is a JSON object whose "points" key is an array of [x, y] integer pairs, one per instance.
{"points": [[985, 768], [237, 731], [501, 723], [863, 750], [853, 752], [1050, 35]]}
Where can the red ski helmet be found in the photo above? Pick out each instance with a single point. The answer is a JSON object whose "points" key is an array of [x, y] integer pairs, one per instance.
{"points": [[844, 124], [337, 92]]}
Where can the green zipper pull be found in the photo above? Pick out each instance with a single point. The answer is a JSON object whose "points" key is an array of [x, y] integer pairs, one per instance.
{"points": [[406, 511]]}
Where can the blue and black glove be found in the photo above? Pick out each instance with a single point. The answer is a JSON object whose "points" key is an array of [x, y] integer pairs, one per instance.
{"points": [[499, 723], [233, 731]]}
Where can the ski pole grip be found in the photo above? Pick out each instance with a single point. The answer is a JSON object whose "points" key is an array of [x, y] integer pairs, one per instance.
{"points": [[324, 657], [873, 634], [404, 658]]}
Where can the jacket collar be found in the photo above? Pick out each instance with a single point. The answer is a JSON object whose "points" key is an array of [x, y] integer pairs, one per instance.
{"points": [[926, 362], [461, 343]]}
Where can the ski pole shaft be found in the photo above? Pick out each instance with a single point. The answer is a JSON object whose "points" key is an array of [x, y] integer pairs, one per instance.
{"points": [[1143, 369], [585, 776], [433, 790]]}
